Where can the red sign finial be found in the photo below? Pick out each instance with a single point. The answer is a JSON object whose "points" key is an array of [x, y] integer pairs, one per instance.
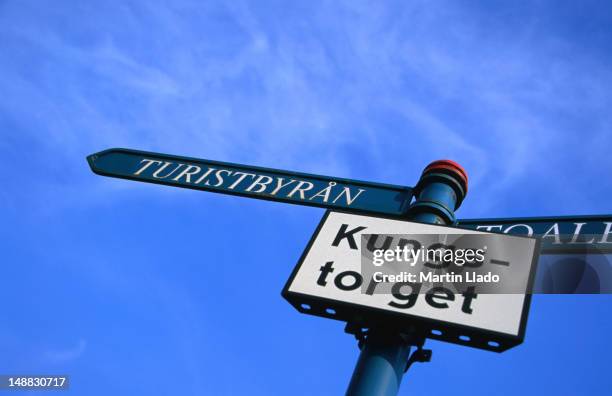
{"points": [[451, 167]]}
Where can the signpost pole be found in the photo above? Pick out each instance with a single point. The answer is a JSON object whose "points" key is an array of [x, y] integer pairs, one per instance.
{"points": [[385, 352]]}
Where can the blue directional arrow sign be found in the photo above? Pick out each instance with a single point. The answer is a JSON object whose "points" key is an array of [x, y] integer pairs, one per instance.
{"points": [[559, 235], [576, 251], [252, 181]]}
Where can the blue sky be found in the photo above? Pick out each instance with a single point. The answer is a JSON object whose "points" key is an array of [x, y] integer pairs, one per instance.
{"points": [[134, 289]]}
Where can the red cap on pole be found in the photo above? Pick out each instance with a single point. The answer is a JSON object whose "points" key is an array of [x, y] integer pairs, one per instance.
{"points": [[450, 167]]}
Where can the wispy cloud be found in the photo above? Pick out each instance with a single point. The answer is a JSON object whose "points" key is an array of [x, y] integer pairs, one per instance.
{"points": [[303, 86], [65, 355]]}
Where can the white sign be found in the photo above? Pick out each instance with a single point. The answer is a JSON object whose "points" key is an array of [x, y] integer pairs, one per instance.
{"points": [[328, 282]]}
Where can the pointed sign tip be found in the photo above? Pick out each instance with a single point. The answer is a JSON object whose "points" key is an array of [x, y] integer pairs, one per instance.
{"points": [[92, 159]]}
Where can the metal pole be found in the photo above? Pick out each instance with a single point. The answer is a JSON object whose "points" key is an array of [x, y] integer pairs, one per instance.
{"points": [[385, 352]]}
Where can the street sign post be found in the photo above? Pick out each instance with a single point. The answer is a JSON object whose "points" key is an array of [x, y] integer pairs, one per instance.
{"points": [[385, 347], [331, 281], [385, 351], [252, 181]]}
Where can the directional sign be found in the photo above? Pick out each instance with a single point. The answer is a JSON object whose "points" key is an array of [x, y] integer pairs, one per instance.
{"points": [[589, 237], [251, 181], [328, 282], [576, 254], [560, 235]]}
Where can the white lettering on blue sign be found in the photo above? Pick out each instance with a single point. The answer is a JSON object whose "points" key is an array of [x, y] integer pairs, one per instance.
{"points": [[248, 182]]}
